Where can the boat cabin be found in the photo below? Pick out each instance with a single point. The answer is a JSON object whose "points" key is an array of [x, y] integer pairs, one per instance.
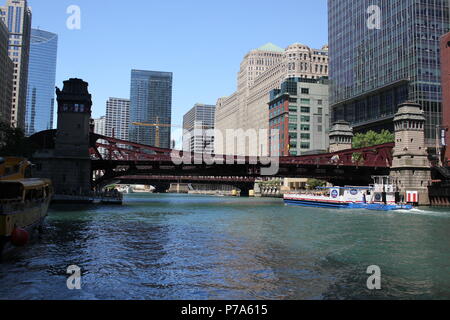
{"points": [[23, 193], [14, 168]]}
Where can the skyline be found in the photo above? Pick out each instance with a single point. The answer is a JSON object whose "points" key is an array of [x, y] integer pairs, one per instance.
{"points": [[217, 47]]}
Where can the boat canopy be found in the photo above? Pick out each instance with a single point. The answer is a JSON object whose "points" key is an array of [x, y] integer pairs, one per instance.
{"points": [[28, 183]]}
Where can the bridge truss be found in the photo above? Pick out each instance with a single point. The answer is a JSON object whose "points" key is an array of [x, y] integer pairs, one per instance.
{"points": [[117, 158]]}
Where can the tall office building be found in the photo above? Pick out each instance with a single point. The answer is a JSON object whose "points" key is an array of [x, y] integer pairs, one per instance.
{"points": [[299, 111], [100, 126], [383, 58], [445, 80], [17, 16], [198, 126], [6, 76], [151, 103], [41, 81], [263, 70], [118, 118]]}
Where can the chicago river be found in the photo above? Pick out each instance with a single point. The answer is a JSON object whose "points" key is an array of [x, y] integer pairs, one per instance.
{"points": [[199, 247]]}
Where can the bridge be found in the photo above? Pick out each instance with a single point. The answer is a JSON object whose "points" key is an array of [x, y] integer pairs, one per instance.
{"points": [[79, 161], [122, 160]]}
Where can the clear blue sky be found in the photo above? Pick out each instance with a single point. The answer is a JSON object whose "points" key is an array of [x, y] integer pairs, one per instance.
{"points": [[201, 41]]}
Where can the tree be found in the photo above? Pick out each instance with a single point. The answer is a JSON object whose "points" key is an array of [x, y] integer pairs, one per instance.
{"points": [[315, 183], [13, 142], [371, 138]]}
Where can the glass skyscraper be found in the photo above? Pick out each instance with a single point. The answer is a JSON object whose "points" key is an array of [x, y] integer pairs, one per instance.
{"points": [[375, 68], [17, 16], [6, 76], [41, 81], [151, 103]]}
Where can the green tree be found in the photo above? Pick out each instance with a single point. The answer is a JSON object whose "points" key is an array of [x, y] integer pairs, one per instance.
{"points": [[315, 183], [371, 138], [13, 142]]}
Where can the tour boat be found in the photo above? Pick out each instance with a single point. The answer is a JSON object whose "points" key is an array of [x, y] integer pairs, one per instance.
{"points": [[23, 203], [381, 196]]}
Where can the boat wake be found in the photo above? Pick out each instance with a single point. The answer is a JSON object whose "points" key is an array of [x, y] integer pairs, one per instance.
{"points": [[427, 212]]}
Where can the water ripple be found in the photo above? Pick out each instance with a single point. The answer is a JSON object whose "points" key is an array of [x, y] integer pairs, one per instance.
{"points": [[179, 247]]}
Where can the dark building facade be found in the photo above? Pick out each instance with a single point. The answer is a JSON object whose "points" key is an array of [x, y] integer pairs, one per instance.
{"points": [[383, 53], [6, 76], [67, 161], [445, 74], [151, 103]]}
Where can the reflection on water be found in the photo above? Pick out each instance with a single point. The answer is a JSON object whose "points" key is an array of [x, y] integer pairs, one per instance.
{"points": [[193, 247]]}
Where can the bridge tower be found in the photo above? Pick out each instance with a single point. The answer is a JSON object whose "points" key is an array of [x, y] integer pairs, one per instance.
{"points": [[73, 171], [341, 136], [68, 163], [410, 166]]}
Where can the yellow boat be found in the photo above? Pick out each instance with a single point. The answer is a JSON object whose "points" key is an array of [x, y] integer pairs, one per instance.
{"points": [[24, 203]]}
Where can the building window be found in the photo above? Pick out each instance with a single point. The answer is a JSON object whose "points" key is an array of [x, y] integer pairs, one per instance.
{"points": [[305, 109], [305, 145], [305, 127], [305, 136], [304, 118], [305, 101]]}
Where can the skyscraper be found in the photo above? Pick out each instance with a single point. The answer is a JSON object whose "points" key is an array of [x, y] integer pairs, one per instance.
{"points": [[100, 126], [6, 76], [118, 118], [151, 103], [198, 124], [41, 81], [445, 80], [262, 70], [382, 53], [17, 16]]}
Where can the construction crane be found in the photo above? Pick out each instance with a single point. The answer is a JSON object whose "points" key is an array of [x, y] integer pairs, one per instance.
{"points": [[157, 127]]}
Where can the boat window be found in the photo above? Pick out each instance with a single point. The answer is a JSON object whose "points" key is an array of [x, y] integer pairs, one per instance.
{"points": [[29, 195], [39, 194], [10, 191], [28, 172]]}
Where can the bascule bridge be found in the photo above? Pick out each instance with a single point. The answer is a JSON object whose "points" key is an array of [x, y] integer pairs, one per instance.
{"points": [[70, 155]]}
